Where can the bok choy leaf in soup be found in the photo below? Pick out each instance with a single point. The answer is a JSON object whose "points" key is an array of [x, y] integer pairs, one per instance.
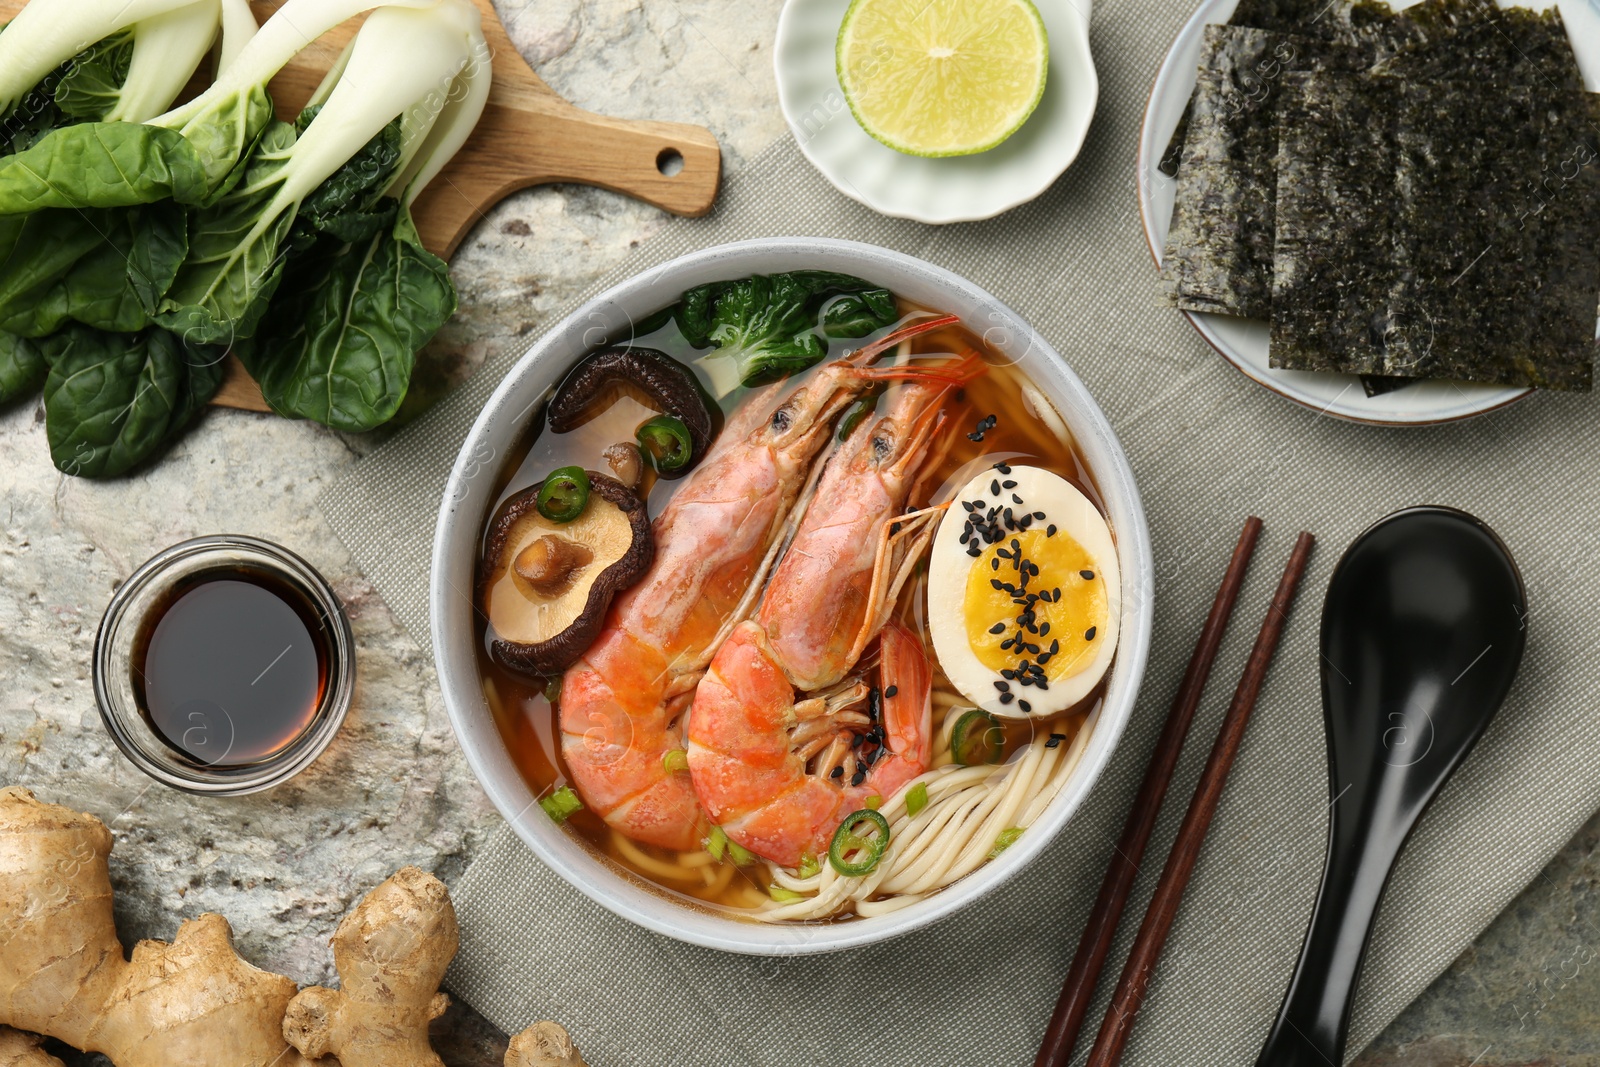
{"points": [[113, 400], [767, 326]]}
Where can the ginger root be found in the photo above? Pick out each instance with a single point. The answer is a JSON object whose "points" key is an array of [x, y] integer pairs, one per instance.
{"points": [[391, 953], [195, 1002], [62, 971], [544, 1044], [18, 1049]]}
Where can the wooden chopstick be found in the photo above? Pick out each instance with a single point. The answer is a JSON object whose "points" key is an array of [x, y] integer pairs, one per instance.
{"points": [[1078, 990], [1158, 917]]}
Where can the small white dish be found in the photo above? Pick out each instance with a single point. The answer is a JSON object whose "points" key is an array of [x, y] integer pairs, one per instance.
{"points": [[953, 189], [1244, 342]]}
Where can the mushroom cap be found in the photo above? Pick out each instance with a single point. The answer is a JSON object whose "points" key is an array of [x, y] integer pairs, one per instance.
{"points": [[544, 632]]}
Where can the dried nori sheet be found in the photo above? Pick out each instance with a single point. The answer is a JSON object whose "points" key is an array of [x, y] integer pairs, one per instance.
{"points": [[1329, 21], [1218, 256], [1437, 229]]}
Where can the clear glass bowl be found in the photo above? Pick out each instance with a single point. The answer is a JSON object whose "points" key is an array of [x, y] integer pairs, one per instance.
{"points": [[146, 590]]}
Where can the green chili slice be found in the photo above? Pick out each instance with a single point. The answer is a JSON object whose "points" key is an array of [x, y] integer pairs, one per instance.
{"points": [[866, 850], [665, 441], [564, 494], [977, 739]]}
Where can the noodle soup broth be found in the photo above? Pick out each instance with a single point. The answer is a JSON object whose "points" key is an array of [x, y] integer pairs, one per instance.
{"points": [[996, 418]]}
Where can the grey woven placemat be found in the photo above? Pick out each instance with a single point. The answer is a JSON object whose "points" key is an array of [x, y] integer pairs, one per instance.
{"points": [[1207, 447]]}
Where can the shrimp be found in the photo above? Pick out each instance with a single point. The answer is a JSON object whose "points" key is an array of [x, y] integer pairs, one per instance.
{"points": [[776, 768], [715, 541]]}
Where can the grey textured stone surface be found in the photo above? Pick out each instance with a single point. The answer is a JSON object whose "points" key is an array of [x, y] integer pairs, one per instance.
{"points": [[393, 790]]}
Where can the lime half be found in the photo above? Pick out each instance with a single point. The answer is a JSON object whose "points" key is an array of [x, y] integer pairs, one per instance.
{"points": [[942, 77]]}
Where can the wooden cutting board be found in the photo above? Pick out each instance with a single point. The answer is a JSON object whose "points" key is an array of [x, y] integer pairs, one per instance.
{"points": [[529, 135]]}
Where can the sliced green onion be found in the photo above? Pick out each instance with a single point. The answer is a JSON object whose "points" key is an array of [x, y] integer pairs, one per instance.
{"points": [[809, 866], [916, 798], [564, 494], [552, 689], [561, 804], [1006, 839], [717, 843], [666, 443], [675, 760], [782, 895], [874, 802], [977, 739], [867, 850], [740, 856]]}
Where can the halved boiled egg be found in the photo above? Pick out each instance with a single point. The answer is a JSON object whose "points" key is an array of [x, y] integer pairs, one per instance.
{"points": [[1024, 592]]}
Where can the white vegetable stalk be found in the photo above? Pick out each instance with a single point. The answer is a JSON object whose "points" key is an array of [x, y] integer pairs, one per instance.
{"points": [[401, 60], [167, 49], [448, 127], [294, 26], [238, 28], [47, 33]]}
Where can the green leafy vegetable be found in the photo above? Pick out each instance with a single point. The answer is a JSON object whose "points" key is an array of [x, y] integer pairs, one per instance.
{"points": [[22, 368], [767, 326], [343, 336], [112, 400]]}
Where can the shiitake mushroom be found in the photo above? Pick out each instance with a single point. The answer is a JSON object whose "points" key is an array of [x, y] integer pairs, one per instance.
{"points": [[670, 386], [547, 584]]}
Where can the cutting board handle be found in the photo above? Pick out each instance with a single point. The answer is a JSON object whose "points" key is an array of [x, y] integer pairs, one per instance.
{"points": [[672, 165]]}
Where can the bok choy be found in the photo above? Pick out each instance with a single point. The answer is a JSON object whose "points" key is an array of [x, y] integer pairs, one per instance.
{"points": [[767, 326], [134, 255]]}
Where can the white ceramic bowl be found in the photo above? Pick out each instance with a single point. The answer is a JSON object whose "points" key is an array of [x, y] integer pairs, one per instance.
{"points": [[609, 317], [953, 189], [1244, 342]]}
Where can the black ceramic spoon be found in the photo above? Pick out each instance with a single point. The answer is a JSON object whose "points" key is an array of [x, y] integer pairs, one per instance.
{"points": [[1422, 633]]}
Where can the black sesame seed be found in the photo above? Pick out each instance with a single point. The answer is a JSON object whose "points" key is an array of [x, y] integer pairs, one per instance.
{"points": [[1006, 643], [858, 777], [1006, 672], [1088, 635], [1055, 739], [891, 691], [1050, 531], [1015, 499], [1004, 687], [1044, 631], [1024, 705], [998, 628], [996, 583], [1024, 680], [1086, 575], [994, 564], [994, 487], [837, 772], [1055, 646], [1002, 468], [974, 551], [1039, 515], [1006, 698], [1008, 485]]}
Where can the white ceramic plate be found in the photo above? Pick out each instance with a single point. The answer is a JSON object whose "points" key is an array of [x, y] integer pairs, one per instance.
{"points": [[1243, 342], [501, 426], [955, 189]]}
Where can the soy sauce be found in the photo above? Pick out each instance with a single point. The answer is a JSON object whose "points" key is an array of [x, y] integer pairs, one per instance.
{"points": [[230, 669]]}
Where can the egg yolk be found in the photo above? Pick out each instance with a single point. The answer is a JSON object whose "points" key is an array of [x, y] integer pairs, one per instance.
{"points": [[1063, 591]]}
